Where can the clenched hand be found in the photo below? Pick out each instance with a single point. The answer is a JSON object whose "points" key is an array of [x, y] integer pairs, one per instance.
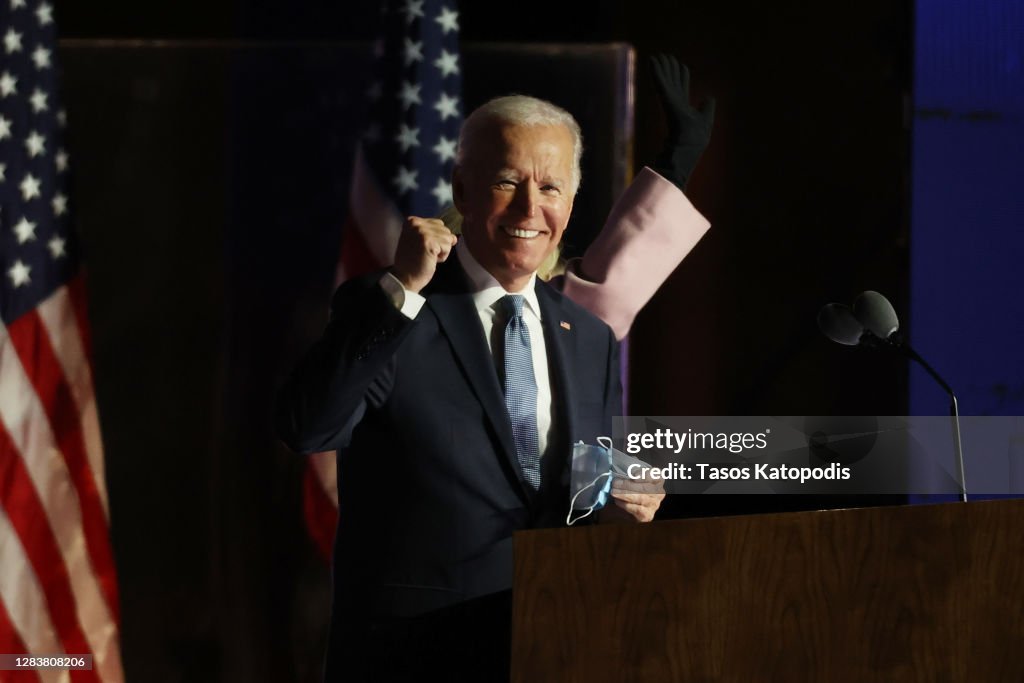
{"points": [[423, 244]]}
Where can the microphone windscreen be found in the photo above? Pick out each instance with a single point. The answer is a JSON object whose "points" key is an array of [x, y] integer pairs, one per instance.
{"points": [[875, 313], [838, 323]]}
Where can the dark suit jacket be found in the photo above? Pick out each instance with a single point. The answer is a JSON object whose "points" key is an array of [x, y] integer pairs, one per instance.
{"points": [[429, 486]]}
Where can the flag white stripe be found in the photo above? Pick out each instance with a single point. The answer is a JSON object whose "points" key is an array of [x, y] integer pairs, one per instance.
{"points": [[25, 420], [58, 316], [25, 603]]}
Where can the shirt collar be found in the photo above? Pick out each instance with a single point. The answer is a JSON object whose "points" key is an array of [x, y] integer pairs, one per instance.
{"points": [[486, 289]]}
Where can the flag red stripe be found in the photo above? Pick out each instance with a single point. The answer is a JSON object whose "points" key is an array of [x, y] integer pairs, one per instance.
{"points": [[320, 513], [80, 307], [355, 258], [30, 340], [11, 644], [28, 519]]}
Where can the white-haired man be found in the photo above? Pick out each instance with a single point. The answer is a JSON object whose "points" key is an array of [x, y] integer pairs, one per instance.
{"points": [[453, 385]]}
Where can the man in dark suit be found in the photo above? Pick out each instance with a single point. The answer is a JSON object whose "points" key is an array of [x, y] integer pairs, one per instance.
{"points": [[453, 386]]}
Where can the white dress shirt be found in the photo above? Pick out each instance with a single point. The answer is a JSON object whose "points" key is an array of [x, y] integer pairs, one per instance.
{"points": [[486, 297]]}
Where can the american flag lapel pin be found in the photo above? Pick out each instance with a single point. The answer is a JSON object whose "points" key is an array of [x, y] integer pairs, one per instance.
{"points": [[565, 326]]}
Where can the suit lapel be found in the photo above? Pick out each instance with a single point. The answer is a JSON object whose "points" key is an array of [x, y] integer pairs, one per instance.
{"points": [[561, 348], [451, 302]]}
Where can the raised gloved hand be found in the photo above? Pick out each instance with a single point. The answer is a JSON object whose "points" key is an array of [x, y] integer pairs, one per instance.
{"points": [[689, 128]]}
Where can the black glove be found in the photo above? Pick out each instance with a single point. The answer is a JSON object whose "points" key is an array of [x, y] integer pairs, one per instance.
{"points": [[689, 129]]}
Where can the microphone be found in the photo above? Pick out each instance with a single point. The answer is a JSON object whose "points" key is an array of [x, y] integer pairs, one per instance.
{"points": [[876, 314], [838, 323], [873, 323]]}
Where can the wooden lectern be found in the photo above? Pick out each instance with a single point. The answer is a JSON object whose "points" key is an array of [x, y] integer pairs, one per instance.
{"points": [[914, 593]]}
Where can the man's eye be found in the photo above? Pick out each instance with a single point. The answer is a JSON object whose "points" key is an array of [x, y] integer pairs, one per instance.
{"points": [[505, 184], [551, 189]]}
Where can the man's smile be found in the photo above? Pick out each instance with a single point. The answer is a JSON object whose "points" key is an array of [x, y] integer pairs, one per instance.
{"points": [[521, 233]]}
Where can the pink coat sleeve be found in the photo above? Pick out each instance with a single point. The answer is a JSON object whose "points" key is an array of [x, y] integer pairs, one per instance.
{"points": [[649, 231]]}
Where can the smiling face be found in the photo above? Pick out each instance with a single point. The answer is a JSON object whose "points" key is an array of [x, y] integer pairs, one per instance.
{"points": [[514, 191]]}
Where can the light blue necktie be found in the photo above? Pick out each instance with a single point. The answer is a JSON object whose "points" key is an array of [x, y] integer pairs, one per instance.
{"points": [[521, 389]]}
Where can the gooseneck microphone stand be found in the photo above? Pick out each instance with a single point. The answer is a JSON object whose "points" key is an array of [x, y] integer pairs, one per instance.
{"points": [[896, 343], [953, 411], [872, 311]]}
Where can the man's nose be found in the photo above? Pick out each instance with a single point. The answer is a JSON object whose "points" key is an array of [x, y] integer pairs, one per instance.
{"points": [[526, 199]]}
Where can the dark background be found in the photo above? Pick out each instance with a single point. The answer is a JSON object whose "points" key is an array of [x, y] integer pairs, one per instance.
{"points": [[805, 183], [805, 180]]}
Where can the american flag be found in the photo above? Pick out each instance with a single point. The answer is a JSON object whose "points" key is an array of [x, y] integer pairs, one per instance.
{"points": [[58, 590], [402, 167]]}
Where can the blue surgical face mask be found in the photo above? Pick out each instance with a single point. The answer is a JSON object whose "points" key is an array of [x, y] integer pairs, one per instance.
{"points": [[590, 479]]}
